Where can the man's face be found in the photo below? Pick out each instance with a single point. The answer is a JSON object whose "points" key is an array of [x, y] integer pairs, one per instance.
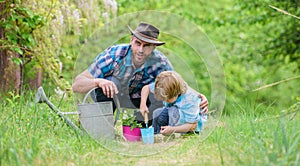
{"points": [[140, 50]]}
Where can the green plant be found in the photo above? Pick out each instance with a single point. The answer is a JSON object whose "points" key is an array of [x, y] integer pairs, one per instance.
{"points": [[130, 121], [17, 42]]}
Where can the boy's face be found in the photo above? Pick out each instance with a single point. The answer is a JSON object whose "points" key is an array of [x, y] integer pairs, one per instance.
{"points": [[172, 100]]}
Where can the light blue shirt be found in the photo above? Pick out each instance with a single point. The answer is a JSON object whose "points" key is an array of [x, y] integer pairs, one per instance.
{"points": [[188, 105]]}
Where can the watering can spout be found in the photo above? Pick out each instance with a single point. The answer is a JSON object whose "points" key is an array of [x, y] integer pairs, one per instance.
{"points": [[40, 96]]}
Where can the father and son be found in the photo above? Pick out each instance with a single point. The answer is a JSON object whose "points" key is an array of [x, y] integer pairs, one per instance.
{"points": [[142, 77]]}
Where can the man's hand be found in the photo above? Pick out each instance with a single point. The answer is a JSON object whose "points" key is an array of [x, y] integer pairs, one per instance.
{"points": [[203, 104], [108, 87]]}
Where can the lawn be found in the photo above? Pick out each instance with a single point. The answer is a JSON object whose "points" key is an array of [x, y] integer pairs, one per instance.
{"points": [[31, 134]]}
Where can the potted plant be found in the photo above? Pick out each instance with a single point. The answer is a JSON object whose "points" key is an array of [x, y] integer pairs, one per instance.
{"points": [[131, 129]]}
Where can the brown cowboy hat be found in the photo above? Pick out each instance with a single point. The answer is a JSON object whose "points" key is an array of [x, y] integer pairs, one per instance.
{"points": [[147, 33]]}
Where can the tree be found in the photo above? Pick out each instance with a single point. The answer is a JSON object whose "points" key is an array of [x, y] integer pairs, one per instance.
{"points": [[9, 73], [17, 43]]}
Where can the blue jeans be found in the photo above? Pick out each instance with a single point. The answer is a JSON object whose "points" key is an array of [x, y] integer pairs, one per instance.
{"points": [[165, 117]]}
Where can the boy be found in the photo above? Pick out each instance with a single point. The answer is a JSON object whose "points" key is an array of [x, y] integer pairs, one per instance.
{"points": [[181, 111]]}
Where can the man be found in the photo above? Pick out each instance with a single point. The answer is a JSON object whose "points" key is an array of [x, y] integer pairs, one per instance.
{"points": [[124, 69]]}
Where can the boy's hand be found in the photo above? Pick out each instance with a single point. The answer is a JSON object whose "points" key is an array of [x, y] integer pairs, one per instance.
{"points": [[143, 110], [166, 130]]}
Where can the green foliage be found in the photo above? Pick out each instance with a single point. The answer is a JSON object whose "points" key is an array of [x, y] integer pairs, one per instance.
{"points": [[287, 38], [279, 31], [19, 23], [18, 27], [69, 24], [251, 38], [130, 121], [48, 35], [248, 36], [13, 99]]}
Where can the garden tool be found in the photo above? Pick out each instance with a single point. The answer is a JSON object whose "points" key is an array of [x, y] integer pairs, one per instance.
{"points": [[147, 133]]}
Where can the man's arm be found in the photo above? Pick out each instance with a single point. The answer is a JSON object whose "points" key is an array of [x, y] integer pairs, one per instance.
{"points": [[85, 82], [204, 102]]}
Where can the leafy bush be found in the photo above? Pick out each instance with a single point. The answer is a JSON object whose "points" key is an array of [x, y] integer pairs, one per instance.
{"points": [[130, 121]]}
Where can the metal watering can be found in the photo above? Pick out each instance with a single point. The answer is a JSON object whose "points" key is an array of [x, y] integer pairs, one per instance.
{"points": [[96, 118]]}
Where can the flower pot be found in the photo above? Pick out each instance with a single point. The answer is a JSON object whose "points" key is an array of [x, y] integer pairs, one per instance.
{"points": [[132, 135]]}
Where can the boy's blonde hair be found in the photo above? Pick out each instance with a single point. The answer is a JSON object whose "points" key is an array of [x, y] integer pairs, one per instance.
{"points": [[169, 84]]}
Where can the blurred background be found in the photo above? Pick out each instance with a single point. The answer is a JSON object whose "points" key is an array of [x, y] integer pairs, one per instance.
{"points": [[42, 44]]}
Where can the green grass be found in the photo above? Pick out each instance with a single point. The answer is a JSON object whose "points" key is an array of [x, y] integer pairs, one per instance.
{"points": [[30, 134]]}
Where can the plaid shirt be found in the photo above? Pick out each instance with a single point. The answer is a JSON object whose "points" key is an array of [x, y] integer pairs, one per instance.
{"points": [[116, 61]]}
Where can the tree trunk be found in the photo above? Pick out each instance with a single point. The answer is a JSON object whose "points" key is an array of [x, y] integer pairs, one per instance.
{"points": [[11, 75], [9, 72]]}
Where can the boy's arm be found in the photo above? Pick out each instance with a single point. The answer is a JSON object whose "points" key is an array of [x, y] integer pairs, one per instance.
{"points": [[178, 129], [144, 96]]}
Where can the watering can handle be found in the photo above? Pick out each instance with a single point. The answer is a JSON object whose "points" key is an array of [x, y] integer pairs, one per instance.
{"points": [[87, 94], [117, 103], [115, 99]]}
